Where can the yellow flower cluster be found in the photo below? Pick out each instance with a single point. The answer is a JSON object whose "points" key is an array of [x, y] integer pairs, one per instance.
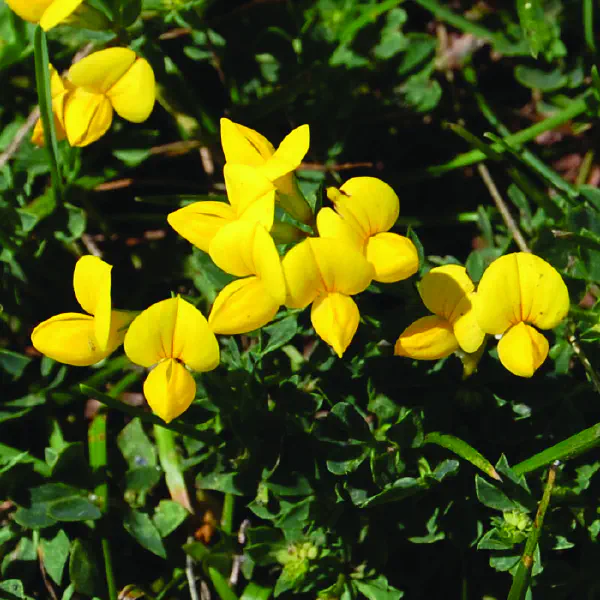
{"points": [[352, 247], [105, 82], [517, 291]]}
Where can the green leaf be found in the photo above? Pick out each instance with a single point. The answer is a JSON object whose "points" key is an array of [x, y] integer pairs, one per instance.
{"points": [[168, 516], [83, 569], [12, 589], [142, 479], [280, 333], [140, 526], [538, 79], [13, 362], [536, 27], [55, 554], [378, 589], [421, 93], [135, 446], [256, 591], [75, 508], [344, 422], [15, 409]]}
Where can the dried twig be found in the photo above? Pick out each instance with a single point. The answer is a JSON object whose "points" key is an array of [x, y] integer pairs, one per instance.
{"points": [[342, 167], [238, 558], [191, 576], [503, 209]]}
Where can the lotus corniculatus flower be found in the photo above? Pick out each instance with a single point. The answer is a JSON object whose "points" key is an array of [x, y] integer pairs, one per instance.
{"points": [[518, 293], [251, 198], [85, 339], [107, 81], [246, 249], [366, 209], [48, 13], [448, 293], [326, 273], [171, 335], [244, 146]]}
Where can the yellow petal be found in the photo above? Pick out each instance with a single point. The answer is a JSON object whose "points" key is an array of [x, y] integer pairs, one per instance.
{"points": [[428, 338], [289, 155], [521, 287], [443, 289], [99, 71], [91, 282], [172, 328], [69, 338], [244, 146], [199, 222], [242, 306], [30, 10], [169, 389], [57, 12], [367, 203], [332, 225], [250, 193], [335, 318], [466, 328], [242, 249], [393, 256], [87, 117], [319, 265], [133, 95], [58, 103], [522, 350]]}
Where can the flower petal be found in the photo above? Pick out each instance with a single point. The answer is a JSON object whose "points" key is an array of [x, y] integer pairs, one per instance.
{"points": [[250, 193], [522, 350], [133, 95], [443, 288], [335, 318], [466, 328], [199, 222], [244, 146], [332, 225], [87, 117], [242, 306], [169, 390], [69, 338], [99, 71], [428, 338], [172, 328], [91, 282], [30, 10], [243, 248], [289, 155], [318, 265], [367, 203], [57, 12], [393, 256], [521, 287]]}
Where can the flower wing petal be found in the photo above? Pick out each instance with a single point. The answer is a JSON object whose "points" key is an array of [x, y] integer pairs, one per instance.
{"points": [[133, 95], [244, 146], [199, 222], [169, 389], [87, 117], [428, 338], [242, 306], [335, 318], [289, 155], [466, 328], [332, 225], [394, 257], [250, 193], [57, 12], [302, 277], [68, 338], [99, 71], [30, 10], [522, 350], [443, 288], [91, 282]]}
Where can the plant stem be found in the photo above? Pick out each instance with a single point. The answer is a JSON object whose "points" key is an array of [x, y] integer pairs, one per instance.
{"points": [[522, 577], [227, 514], [588, 25]]}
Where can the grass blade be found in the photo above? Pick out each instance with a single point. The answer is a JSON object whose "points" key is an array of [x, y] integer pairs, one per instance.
{"points": [[42, 80]]}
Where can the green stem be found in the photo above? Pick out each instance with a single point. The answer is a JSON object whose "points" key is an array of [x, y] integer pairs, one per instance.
{"points": [[588, 25], [224, 592], [520, 584], [227, 514], [171, 464], [574, 109]]}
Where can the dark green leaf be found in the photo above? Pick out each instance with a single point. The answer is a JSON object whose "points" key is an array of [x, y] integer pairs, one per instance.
{"points": [[140, 526]]}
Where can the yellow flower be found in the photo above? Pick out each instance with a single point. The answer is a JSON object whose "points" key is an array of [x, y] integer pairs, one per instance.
{"points": [[448, 293], [115, 79], [48, 13], [80, 339], [246, 249], [366, 209], [326, 273], [251, 198], [516, 291], [244, 146], [59, 90], [171, 334]]}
